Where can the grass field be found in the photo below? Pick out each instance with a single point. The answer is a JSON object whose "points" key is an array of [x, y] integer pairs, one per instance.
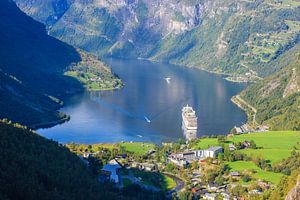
{"points": [[271, 140], [206, 143], [140, 148], [273, 155], [159, 180], [168, 183], [137, 147], [273, 146], [243, 166]]}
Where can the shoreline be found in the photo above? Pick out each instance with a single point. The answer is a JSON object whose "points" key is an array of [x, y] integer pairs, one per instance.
{"points": [[50, 124], [250, 111], [227, 78]]}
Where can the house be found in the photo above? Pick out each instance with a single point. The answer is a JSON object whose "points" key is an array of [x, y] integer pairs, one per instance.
{"points": [[234, 174], [184, 158], [263, 185], [190, 155], [113, 167], [246, 144], [255, 192], [213, 152], [210, 196], [122, 156], [238, 130], [232, 147], [147, 166], [151, 152], [225, 195], [178, 162], [88, 154], [135, 165], [212, 187]]}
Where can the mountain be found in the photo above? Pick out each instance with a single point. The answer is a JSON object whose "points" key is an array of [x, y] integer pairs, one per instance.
{"points": [[277, 97], [33, 167], [237, 37], [32, 67]]}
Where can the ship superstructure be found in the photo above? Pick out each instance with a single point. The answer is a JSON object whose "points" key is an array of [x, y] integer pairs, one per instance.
{"points": [[189, 123]]}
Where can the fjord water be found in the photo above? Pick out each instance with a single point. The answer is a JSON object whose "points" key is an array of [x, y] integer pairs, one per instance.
{"points": [[149, 107]]}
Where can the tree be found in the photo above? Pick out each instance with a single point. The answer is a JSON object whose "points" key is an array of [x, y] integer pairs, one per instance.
{"points": [[246, 178], [252, 145]]}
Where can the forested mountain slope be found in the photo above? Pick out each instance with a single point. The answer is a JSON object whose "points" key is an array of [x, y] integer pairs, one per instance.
{"points": [[33, 167], [277, 98], [32, 67], [237, 37]]}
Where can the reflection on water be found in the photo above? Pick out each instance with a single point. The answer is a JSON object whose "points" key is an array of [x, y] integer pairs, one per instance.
{"points": [[149, 107]]}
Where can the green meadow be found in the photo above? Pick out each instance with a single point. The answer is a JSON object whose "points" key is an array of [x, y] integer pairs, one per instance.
{"points": [[140, 148], [206, 143], [273, 146], [254, 171]]}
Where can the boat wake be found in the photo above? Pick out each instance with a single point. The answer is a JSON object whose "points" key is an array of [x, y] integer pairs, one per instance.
{"points": [[147, 119], [168, 79]]}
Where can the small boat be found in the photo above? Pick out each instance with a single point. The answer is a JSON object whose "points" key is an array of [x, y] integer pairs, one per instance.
{"points": [[168, 79], [147, 119], [140, 136]]}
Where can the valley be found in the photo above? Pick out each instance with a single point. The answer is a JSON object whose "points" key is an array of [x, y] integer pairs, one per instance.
{"points": [[148, 107], [150, 99]]}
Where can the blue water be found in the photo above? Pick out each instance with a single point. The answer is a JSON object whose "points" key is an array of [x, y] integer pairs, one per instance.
{"points": [[148, 108]]}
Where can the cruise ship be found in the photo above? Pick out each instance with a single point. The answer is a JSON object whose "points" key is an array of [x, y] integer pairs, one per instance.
{"points": [[189, 123]]}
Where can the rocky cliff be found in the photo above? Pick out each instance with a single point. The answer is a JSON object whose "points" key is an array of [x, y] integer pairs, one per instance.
{"points": [[238, 37]]}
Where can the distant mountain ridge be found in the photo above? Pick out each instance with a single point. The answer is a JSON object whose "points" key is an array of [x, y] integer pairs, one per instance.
{"points": [[237, 37]]}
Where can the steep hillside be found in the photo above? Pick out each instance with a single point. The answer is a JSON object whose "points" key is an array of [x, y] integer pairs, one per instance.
{"points": [[33, 167], [237, 37], [32, 65], [277, 98]]}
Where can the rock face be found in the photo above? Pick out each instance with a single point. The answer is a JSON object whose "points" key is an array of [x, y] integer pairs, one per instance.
{"points": [[113, 26], [294, 194], [235, 36]]}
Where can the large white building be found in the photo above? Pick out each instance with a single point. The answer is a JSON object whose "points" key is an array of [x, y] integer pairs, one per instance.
{"points": [[183, 158]]}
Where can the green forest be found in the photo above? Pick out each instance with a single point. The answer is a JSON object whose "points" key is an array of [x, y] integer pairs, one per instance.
{"points": [[33, 167], [277, 97]]}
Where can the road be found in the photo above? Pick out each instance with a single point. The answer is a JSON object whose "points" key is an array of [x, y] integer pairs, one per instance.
{"points": [[254, 110]]}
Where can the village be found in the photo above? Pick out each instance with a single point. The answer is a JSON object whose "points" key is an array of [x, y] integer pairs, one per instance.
{"points": [[175, 168]]}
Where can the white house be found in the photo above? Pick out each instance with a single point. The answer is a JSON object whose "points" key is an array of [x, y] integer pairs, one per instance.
{"points": [[113, 167], [213, 152], [210, 196]]}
